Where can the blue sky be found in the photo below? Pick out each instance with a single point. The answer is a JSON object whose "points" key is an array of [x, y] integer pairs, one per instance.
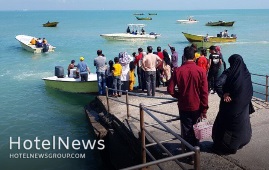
{"points": [[131, 4]]}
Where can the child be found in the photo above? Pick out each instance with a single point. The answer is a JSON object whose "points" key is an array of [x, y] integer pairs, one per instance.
{"points": [[109, 74], [132, 76], [117, 71]]}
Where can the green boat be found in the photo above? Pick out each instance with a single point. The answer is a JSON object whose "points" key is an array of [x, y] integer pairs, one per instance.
{"points": [[50, 24], [143, 18], [220, 23], [73, 85]]}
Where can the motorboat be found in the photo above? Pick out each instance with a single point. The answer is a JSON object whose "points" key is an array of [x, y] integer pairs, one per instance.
{"points": [[220, 23], [138, 13], [71, 83], [25, 43], [134, 32], [190, 20], [211, 39], [152, 13], [50, 24], [143, 18]]}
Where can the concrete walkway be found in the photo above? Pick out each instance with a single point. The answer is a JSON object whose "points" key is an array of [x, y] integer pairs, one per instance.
{"points": [[253, 156]]}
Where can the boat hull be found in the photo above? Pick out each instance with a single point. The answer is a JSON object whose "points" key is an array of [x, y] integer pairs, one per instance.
{"points": [[211, 39], [186, 22], [126, 36], [72, 85], [51, 24], [147, 18], [220, 23], [25, 44]]}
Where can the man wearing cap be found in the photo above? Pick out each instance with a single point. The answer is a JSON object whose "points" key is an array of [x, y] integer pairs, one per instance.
{"points": [[83, 69], [100, 64], [174, 57]]}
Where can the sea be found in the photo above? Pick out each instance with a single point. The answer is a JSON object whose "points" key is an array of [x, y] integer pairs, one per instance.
{"points": [[31, 111]]}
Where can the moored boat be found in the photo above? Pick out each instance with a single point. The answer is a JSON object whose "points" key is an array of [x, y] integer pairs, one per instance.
{"points": [[152, 13], [50, 24], [211, 39], [138, 14], [25, 43], [134, 32], [71, 84], [220, 23], [143, 18]]}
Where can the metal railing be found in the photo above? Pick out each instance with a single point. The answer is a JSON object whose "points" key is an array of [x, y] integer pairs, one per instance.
{"points": [[194, 151], [266, 85]]}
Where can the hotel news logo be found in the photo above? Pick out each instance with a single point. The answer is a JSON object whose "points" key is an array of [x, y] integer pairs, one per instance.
{"points": [[56, 144]]}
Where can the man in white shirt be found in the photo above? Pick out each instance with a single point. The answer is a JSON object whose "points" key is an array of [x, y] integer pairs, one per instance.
{"points": [[150, 62]]}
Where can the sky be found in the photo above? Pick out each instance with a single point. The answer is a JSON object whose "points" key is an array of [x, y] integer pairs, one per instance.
{"points": [[132, 4]]}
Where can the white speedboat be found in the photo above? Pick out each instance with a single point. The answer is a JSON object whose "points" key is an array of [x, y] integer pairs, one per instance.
{"points": [[190, 20], [133, 32], [25, 43], [72, 84]]}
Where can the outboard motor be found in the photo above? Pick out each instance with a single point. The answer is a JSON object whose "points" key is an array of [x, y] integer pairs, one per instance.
{"points": [[45, 48], [59, 71]]}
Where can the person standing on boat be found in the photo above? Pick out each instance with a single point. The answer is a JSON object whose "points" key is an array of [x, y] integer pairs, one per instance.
{"points": [[100, 63], [225, 33], [174, 58], [83, 69]]}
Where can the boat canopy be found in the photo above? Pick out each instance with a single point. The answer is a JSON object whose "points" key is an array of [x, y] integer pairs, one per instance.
{"points": [[137, 27]]}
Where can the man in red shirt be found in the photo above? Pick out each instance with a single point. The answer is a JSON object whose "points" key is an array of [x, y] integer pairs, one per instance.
{"points": [[192, 94]]}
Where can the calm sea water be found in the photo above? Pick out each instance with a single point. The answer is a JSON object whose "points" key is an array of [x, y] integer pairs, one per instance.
{"points": [[29, 109]]}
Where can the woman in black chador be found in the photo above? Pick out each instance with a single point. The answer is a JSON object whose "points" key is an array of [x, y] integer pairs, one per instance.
{"points": [[232, 128]]}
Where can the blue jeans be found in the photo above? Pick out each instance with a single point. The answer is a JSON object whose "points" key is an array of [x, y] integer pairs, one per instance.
{"points": [[101, 79], [116, 84], [151, 82]]}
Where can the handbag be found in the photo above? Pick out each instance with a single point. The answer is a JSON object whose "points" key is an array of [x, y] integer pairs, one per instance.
{"points": [[202, 129]]}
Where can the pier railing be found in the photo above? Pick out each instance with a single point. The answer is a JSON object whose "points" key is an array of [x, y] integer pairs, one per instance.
{"points": [[194, 151], [266, 85]]}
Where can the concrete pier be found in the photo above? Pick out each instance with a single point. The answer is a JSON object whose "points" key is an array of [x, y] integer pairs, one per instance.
{"points": [[122, 134]]}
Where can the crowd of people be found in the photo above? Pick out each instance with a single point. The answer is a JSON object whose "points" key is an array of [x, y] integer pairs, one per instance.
{"points": [[195, 78], [153, 68], [40, 43]]}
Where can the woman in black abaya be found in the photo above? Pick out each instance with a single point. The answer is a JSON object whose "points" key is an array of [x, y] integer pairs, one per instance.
{"points": [[232, 128]]}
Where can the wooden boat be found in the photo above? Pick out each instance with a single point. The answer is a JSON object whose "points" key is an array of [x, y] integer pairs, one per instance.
{"points": [[152, 13], [50, 24], [190, 20], [128, 35], [25, 43], [73, 85], [211, 39], [138, 14], [143, 18], [220, 23]]}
